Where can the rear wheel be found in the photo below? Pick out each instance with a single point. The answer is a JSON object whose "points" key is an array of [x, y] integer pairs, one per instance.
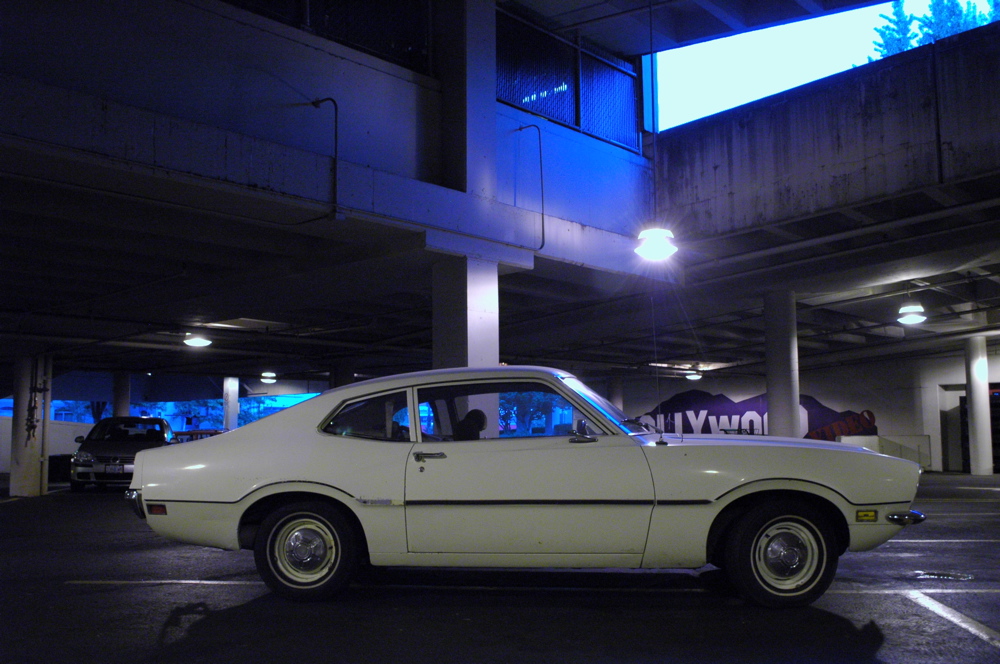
{"points": [[305, 551], [781, 554]]}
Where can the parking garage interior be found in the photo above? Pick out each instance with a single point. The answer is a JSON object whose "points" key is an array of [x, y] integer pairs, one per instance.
{"points": [[462, 183]]}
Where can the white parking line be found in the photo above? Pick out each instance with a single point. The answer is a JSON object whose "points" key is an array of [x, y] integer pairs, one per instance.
{"points": [[942, 541], [164, 582], [968, 624]]}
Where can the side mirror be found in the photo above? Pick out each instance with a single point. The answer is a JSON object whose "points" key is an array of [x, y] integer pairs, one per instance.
{"points": [[582, 433]]}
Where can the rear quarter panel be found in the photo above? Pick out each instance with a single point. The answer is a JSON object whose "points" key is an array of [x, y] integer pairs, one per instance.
{"points": [[215, 480]]}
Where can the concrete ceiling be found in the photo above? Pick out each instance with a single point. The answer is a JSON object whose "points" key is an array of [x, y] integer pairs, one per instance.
{"points": [[637, 27], [107, 271]]}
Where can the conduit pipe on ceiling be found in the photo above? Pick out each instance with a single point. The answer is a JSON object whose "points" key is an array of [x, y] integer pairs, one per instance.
{"points": [[541, 177]]}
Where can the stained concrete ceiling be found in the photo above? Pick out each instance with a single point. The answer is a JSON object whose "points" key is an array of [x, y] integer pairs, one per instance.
{"points": [[111, 278]]}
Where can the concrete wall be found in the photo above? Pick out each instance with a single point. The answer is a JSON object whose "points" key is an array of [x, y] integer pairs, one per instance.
{"points": [[208, 62], [61, 439], [587, 181], [918, 398], [913, 120], [199, 87]]}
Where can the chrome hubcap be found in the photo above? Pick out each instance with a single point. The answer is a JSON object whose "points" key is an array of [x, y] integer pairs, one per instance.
{"points": [[305, 550], [787, 556]]}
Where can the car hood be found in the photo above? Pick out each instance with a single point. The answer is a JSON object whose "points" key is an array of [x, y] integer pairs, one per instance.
{"points": [[706, 467]]}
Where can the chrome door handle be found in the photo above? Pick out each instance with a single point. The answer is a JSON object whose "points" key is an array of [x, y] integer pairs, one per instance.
{"points": [[420, 456]]}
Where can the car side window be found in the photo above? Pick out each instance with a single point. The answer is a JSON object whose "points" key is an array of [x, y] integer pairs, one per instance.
{"points": [[510, 409], [382, 417]]}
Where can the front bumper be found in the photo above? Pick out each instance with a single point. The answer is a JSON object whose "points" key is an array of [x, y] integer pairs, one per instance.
{"points": [[134, 498], [905, 518]]}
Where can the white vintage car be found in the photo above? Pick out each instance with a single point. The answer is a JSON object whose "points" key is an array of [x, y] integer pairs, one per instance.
{"points": [[517, 467]]}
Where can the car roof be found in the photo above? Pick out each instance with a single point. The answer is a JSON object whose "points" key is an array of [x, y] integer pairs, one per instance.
{"points": [[455, 373]]}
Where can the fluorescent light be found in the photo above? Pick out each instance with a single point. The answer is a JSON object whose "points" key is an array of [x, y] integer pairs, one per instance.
{"points": [[197, 340], [911, 313], [269, 377]]}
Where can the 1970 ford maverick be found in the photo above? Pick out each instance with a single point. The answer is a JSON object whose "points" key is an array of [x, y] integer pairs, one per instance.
{"points": [[517, 467]]}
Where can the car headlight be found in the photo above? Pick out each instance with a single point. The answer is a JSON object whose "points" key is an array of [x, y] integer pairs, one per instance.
{"points": [[83, 457]]}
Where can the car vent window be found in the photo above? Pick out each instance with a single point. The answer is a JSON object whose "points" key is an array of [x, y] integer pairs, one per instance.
{"points": [[384, 417]]}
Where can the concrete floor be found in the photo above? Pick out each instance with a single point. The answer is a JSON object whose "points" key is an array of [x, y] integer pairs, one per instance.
{"points": [[82, 580]]}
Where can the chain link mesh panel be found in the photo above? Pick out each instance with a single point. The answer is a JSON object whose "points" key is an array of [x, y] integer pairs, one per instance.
{"points": [[539, 73], [608, 103], [535, 72], [395, 30]]}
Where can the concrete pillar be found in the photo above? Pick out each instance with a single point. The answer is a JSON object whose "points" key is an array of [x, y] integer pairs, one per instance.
{"points": [[342, 373], [782, 350], [122, 406], [230, 402], [466, 301], [25, 445], [44, 390], [977, 397], [465, 58], [616, 391]]}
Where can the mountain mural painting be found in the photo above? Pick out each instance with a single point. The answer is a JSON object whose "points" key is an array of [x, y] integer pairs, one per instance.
{"points": [[696, 411]]}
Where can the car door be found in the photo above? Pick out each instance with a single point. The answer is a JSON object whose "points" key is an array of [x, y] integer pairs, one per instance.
{"points": [[527, 484]]}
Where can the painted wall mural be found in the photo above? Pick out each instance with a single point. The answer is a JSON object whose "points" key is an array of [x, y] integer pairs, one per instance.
{"points": [[696, 411]]}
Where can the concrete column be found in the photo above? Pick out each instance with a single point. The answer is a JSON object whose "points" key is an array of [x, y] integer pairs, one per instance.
{"points": [[977, 397], [616, 391], [230, 402], [465, 57], [44, 389], [782, 350], [342, 373], [122, 406], [25, 444], [466, 326]]}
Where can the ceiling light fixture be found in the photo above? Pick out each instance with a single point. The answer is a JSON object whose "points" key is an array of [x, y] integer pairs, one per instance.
{"points": [[196, 340], [655, 244], [269, 377], [911, 313], [694, 375]]}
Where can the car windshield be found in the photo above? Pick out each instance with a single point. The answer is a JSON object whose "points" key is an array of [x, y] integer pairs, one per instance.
{"points": [[132, 430], [608, 409]]}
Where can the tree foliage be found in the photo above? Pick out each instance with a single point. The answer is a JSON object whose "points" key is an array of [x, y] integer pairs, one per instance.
{"points": [[943, 19], [897, 34]]}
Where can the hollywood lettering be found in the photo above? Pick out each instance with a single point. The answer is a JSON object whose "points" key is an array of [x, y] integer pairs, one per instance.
{"points": [[696, 411]]}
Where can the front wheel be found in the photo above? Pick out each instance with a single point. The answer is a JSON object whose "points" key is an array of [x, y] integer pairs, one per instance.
{"points": [[305, 551], [781, 554]]}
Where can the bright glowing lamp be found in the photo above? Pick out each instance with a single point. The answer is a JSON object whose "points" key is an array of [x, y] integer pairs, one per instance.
{"points": [[197, 340], [268, 377], [911, 313], [655, 244], [694, 375]]}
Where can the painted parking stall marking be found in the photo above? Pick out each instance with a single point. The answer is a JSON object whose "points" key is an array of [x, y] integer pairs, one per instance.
{"points": [[968, 624]]}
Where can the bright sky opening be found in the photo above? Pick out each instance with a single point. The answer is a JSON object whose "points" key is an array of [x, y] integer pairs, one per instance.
{"points": [[700, 80]]}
